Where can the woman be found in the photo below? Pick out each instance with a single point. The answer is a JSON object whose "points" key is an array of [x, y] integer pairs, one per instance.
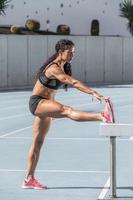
{"points": [[54, 73]]}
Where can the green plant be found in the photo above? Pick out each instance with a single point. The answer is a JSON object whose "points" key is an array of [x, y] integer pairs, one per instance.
{"points": [[95, 27], [126, 9], [3, 6], [32, 25], [63, 29], [16, 29]]}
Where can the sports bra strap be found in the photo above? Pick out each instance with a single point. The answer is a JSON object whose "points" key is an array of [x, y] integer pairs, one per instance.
{"points": [[50, 65], [54, 63]]}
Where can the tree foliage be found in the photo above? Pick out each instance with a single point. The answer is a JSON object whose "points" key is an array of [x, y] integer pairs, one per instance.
{"points": [[126, 9], [3, 6]]}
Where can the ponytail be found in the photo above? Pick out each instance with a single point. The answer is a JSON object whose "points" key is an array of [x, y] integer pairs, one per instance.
{"points": [[53, 57]]}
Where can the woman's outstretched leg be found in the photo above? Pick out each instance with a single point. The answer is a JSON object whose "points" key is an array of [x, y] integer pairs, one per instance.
{"points": [[88, 116], [81, 116], [50, 108], [40, 129]]}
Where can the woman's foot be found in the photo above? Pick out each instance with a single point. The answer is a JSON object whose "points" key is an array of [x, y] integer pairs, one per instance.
{"points": [[33, 184], [107, 114]]}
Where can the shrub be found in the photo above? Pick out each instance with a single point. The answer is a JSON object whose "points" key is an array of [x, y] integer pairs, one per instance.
{"points": [[16, 29], [95, 27], [32, 25], [63, 29]]}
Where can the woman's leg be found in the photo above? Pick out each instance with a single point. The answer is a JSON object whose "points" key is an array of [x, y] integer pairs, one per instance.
{"points": [[50, 108], [40, 129]]}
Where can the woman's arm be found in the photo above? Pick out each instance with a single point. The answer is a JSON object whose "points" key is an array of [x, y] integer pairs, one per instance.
{"points": [[57, 73]]}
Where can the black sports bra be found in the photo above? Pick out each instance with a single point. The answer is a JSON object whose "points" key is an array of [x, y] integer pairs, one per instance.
{"points": [[50, 83]]}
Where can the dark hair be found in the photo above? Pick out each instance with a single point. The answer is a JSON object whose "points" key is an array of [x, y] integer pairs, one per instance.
{"points": [[63, 44], [60, 46]]}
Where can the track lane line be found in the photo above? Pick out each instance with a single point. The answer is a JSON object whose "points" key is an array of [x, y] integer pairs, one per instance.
{"points": [[104, 190], [16, 131], [55, 171]]}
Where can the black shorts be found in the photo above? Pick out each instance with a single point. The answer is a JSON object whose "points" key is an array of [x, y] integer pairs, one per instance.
{"points": [[33, 102]]}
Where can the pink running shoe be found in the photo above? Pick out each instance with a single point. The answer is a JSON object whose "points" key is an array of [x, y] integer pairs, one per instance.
{"points": [[33, 184], [107, 113]]}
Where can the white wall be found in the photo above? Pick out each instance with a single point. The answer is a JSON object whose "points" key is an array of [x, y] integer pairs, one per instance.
{"points": [[78, 14], [97, 60]]}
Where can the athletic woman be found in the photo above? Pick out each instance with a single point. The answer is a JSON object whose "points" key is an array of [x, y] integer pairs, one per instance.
{"points": [[54, 73]]}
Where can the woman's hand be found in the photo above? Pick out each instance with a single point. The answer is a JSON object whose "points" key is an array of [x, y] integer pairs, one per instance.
{"points": [[100, 97]]}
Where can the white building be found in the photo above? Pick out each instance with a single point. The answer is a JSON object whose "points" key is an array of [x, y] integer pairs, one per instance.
{"points": [[78, 14]]}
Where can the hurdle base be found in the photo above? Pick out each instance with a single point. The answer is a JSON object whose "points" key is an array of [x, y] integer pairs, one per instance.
{"points": [[112, 196]]}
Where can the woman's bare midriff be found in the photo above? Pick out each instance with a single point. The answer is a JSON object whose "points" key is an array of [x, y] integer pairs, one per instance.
{"points": [[43, 91]]}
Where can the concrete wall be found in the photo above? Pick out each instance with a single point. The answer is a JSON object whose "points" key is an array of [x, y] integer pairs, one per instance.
{"points": [[98, 60]]}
